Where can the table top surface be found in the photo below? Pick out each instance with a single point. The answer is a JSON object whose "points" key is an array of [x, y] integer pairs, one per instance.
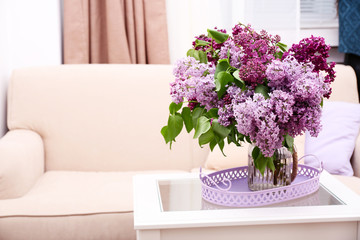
{"points": [[174, 201]]}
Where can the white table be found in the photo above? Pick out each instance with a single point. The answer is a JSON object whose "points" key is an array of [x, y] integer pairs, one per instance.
{"points": [[170, 206]]}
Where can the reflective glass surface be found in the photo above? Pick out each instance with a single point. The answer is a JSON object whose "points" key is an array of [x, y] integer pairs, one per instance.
{"points": [[185, 195]]}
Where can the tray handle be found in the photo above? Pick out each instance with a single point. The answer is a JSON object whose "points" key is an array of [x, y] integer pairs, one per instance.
{"points": [[321, 163], [225, 181]]}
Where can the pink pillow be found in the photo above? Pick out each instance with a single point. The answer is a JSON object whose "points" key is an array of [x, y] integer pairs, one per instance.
{"points": [[335, 144]]}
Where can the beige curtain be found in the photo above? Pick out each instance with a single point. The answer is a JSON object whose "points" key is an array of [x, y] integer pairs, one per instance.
{"points": [[115, 31]]}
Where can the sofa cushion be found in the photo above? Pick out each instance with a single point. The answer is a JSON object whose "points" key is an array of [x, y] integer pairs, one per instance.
{"points": [[335, 144], [98, 203], [96, 226]]}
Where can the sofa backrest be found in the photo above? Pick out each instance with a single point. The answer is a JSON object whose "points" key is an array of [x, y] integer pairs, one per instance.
{"points": [[100, 117], [345, 90]]}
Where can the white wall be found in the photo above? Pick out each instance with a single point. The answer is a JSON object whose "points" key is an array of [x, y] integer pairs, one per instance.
{"points": [[189, 18], [30, 36]]}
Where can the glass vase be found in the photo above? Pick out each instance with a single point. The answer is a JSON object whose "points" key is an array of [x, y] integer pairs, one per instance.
{"points": [[285, 170]]}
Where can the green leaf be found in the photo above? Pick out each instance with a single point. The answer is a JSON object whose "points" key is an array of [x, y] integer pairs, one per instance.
{"points": [[175, 125], [212, 113], [264, 90], [232, 137], [202, 126], [241, 137], [219, 37], [202, 56], [222, 66], [173, 108], [247, 138], [196, 55], [261, 163], [186, 116], [236, 75], [279, 55], [270, 163], [206, 137], [238, 81], [221, 144], [223, 78], [282, 46], [190, 52], [289, 141], [201, 43], [213, 144], [322, 102], [164, 132], [220, 130], [197, 112], [255, 153]]}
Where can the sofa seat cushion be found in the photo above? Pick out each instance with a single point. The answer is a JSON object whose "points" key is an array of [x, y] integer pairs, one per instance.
{"points": [[350, 181], [96, 205]]}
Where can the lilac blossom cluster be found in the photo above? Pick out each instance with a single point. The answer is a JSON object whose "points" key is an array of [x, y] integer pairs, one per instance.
{"points": [[314, 50], [194, 81], [294, 86]]}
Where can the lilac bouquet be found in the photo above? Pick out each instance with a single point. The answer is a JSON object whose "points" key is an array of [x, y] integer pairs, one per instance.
{"points": [[248, 87]]}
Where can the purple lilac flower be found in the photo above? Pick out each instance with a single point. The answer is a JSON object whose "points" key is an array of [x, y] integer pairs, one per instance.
{"points": [[314, 50], [308, 88], [194, 81], [275, 73], [304, 118], [253, 72], [256, 119], [233, 97], [282, 103], [235, 53]]}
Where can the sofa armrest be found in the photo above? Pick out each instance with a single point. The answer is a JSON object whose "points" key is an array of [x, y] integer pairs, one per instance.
{"points": [[21, 162], [355, 160]]}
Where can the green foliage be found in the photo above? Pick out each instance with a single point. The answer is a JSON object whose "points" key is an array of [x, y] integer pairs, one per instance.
{"points": [[175, 125], [223, 79], [261, 162], [289, 142], [197, 112], [164, 132], [173, 107], [263, 89], [282, 46], [206, 137], [222, 66], [207, 128], [200, 43], [238, 81], [219, 37], [212, 113], [220, 130], [202, 126], [187, 117], [198, 55]]}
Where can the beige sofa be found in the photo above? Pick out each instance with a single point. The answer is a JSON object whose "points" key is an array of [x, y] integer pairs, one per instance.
{"points": [[78, 134]]}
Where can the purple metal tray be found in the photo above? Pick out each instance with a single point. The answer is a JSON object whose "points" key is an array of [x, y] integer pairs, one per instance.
{"points": [[229, 188]]}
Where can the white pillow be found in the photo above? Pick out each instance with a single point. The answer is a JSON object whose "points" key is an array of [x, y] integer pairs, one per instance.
{"points": [[335, 144]]}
